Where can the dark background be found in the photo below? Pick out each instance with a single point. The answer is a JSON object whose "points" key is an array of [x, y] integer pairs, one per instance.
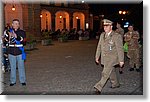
{"points": [[111, 11]]}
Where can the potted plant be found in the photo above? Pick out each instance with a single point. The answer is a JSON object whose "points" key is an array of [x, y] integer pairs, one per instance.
{"points": [[63, 37], [46, 39]]}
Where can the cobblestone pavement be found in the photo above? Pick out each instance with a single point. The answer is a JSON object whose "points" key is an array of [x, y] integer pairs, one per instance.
{"points": [[69, 68]]}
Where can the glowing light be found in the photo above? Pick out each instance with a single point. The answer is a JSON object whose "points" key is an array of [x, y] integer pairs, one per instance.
{"points": [[120, 12], [87, 25], [124, 12], [13, 8], [60, 16], [127, 23], [41, 16]]}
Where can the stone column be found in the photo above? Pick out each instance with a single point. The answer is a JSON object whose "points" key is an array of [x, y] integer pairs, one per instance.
{"points": [[71, 20], [53, 21], [34, 20], [37, 20], [25, 16], [91, 22], [30, 18]]}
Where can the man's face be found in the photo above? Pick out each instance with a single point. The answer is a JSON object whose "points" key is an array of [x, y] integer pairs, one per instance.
{"points": [[107, 28], [130, 28], [15, 24]]}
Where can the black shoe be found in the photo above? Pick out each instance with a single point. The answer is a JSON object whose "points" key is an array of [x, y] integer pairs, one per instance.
{"points": [[12, 84], [121, 72], [138, 70], [97, 91], [131, 69], [6, 70], [23, 84]]}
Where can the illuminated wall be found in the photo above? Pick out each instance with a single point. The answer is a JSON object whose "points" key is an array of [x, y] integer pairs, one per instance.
{"points": [[45, 20], [16, 14], [62, 20], [79, 15]]}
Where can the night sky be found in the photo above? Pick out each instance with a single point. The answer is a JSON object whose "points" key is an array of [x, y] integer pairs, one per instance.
{"points": [[110, 11]]}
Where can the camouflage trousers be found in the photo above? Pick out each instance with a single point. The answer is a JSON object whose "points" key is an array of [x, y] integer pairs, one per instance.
{"points": [[134, 55]]}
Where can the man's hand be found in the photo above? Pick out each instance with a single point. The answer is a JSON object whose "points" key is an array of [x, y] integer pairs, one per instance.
{"points": [[12, 34], [97, 61], [121, 64]]}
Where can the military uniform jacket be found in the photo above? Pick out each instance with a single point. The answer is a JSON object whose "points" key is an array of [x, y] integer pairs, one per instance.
{"points": [[132, 39], [120, 31], [110, 49]]}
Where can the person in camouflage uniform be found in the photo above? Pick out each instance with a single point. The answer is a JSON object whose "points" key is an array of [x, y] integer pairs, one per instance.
{"points": [[131, 38], [120, 31]]}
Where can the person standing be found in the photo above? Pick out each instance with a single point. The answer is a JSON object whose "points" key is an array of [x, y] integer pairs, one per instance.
{"points": [[110, 48], [120, 31], [131, 38], [15, 54]]}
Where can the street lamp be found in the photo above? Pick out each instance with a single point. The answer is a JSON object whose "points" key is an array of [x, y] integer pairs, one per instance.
{"points": [[120, 12], [124, 12], [41, 16], [123, 15], [60, 16], [13, 8]]}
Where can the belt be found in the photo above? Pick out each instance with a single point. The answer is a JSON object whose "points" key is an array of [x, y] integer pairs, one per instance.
{"points": [[20, 45]]}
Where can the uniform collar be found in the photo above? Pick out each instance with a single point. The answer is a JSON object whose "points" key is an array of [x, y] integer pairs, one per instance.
{"points": [[17, 29], [109, 33]]}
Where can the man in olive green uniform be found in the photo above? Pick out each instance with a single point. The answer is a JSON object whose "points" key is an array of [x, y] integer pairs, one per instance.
{"points": [[131, 37], [110, 48], [120, 31]]}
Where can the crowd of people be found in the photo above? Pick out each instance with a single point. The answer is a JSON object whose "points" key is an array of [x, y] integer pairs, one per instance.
{"points": [[72, 34]]}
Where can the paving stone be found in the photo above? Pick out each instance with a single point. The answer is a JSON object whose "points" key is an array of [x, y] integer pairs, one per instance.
{"points": [[69, 68]]}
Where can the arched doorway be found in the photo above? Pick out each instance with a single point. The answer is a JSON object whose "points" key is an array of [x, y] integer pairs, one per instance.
{"points": [[78, 20], [45, 20], [13, 14], [62, 20]]}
